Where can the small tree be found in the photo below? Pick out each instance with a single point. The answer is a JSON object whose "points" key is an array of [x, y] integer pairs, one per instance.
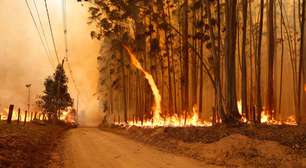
{"points": [[55, 97]]}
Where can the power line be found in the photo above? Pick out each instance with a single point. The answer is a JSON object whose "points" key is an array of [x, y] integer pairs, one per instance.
{"points": [[65, 27], [66, 45], [40, 36], [51, 31], [42, 28]]}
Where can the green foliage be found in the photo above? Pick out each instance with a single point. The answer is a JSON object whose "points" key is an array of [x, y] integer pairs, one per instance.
{"points": [[55, 97]]}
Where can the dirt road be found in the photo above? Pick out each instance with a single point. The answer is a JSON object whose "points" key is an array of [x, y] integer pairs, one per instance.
{"points": [[93, 148]]}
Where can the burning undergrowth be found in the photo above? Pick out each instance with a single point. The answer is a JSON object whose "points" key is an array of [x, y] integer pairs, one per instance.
{"points": [[186, 119]]}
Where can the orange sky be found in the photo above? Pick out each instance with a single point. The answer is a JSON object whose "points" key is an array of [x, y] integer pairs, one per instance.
{"points": [[23, 59]]}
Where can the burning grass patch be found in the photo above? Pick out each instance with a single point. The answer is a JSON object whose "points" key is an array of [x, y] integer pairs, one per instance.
{"points": [[28, 146]]}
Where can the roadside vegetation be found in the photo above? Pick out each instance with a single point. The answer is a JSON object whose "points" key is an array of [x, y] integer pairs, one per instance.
{"points": [[30, 146]]}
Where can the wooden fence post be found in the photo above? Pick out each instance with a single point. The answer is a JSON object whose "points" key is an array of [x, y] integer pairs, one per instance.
{"points": [[25, 117], [18, 117], [10, 114]]}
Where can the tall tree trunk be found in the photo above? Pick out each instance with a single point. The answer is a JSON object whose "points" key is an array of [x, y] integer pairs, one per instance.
{"points": [[282, 59], [172, 61], [230, 65], [301, 112], [194, 60], [218, 93], [270, 90], [124, 85], [181, 100], [244, 68], [185, 74], [258, 65], [201, 108], [167, 48]]}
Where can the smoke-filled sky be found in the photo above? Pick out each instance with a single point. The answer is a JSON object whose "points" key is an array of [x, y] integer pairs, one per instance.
{"points": [[23, 59]]}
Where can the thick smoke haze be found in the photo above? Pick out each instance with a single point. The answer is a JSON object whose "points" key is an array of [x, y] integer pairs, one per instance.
{"points": [[23, 60]]}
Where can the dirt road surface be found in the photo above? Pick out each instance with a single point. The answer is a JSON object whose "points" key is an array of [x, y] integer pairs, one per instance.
{"points": [[93, 148]]}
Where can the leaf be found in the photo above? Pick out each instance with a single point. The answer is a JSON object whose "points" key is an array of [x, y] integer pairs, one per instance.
{"points": [[105, 23]]}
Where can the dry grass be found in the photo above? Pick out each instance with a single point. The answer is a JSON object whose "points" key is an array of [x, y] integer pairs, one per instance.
{"points": [[28, 146]]}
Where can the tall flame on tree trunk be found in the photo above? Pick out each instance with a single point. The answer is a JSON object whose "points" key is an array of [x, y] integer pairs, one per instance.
{"points": [[149, 77]]}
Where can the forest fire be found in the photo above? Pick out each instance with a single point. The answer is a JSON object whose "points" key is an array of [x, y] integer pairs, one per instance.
{"points": [[174, 121], [186, 120], [148, 76], [266, 119], [158, 120]]}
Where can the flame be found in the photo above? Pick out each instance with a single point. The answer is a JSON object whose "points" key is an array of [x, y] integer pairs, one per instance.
{"points": [[69, 116], [4, 115], [149, 77], [180, 120], [239, 105], [265, 118], [174, 120]]}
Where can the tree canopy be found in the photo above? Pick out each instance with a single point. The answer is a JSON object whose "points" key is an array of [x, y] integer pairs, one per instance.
{"points": [[56, 97]]}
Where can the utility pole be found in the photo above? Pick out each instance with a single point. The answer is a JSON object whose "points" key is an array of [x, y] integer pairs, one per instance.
{"points": [[28, 86], [77, 109]]}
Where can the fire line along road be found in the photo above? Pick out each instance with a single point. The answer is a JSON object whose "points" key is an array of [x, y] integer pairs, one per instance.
{"points": [[93, 148]]}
